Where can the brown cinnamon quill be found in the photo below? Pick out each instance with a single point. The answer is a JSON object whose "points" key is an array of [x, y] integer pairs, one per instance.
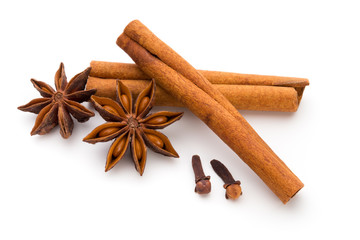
{"points": [[115, 70], [244, 91], [244, 97], [190, 87]]}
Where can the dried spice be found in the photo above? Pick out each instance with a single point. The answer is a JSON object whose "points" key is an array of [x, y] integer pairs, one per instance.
{"points": [[129, 124], [203, 184], [244, 91], [56, 105], [176, 76], [233, 189]]}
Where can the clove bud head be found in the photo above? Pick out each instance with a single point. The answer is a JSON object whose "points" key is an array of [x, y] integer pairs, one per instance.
{"points": [[203, 186], [233, 191]]}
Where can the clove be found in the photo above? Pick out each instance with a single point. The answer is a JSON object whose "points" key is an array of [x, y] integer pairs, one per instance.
{"points": [[203, 185], [233, 189]]}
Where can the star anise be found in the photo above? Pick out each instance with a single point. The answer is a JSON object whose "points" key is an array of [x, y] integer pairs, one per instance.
{"points": [[128, 124], [56, 106]]}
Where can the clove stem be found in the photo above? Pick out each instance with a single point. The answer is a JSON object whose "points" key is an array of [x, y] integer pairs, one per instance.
{"points": [[203, 185], [233, 189]]}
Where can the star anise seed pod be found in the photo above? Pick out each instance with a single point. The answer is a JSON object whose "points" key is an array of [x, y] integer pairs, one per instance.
{"points": [[56, 106], [128, 124]]}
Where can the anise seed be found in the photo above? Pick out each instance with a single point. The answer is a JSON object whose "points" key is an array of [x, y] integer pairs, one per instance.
{"points": [[155, 140], [110, 109], [138, 150], [45, 90], [119, 147], [157, 120], [107, 131], [143, 103], [125, 102]]}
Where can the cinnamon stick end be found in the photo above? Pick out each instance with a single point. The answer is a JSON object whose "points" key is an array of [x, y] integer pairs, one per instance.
{"points": [[287, 199], [122, 40]]}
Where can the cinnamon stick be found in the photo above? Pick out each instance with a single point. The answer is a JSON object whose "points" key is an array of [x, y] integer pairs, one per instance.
{"points": [[281, 98], [118, 70], [244, 97], [188, 86]]}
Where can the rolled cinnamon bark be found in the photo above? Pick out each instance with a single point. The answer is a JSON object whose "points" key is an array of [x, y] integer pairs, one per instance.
{"points": [[188, 86], [244, 97], [118, 70], [115, 70]]}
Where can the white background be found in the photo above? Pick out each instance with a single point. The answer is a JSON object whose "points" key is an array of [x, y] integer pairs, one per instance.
{"points": [[53, 188]]}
